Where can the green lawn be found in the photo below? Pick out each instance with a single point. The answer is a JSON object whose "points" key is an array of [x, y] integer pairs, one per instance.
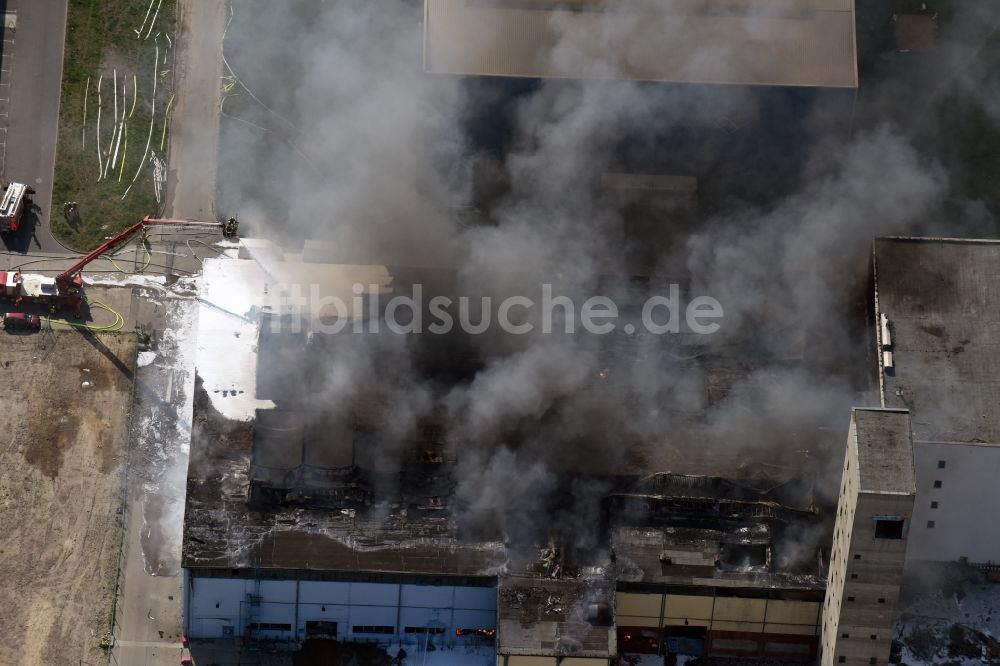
{"points": [[100, 38]]}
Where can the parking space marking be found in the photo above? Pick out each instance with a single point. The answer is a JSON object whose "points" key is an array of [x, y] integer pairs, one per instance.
{"points": [[6, 73]]}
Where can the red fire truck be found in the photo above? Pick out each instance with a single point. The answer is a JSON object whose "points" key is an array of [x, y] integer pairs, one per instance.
{"points": [[67, 287], [15, 198]]}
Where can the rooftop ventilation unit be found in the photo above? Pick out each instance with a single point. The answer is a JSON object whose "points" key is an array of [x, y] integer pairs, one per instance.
{"points": [[886, 335]]}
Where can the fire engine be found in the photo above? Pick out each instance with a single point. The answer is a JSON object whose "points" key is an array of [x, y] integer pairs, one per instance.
{"points": [[15, 198], [66, 288]]}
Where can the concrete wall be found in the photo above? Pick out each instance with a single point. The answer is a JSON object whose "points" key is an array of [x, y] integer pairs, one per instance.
{"points": [[840, 551], [865, 574], [966, 503], [511, 660], [213, 604], [777, 616]]}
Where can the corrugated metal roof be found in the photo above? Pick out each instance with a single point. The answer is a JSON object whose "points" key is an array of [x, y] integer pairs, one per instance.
{"points": [[765, 42]]}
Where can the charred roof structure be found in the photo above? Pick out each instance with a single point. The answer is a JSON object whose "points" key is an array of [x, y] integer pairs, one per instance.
{"points": [[305, 490], [544, 616], [677, 529]]}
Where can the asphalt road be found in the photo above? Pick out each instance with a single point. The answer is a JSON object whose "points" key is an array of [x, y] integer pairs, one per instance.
{"points": [[150, 620], [194, 130], [32, 69]]}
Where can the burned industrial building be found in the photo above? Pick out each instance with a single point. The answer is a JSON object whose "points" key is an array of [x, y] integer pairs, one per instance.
{"points": [[296, 491], [306, 517], [558, 498]]}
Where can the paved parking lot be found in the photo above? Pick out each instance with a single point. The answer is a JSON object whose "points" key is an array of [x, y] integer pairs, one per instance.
{"points": [[30, 75], [6, 70]]}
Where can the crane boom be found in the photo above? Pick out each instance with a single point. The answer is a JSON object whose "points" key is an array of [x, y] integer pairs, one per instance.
{"points": [[70, 279]]}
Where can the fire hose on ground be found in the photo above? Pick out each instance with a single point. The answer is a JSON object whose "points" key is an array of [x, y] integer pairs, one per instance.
{"points": [[115, 326]]}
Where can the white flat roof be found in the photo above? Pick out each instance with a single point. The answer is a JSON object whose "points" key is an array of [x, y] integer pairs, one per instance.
{"points": [[746, 42], [10, 197]]}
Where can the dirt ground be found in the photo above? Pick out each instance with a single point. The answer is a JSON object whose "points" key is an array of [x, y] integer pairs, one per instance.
{"points": [[64, 416]]}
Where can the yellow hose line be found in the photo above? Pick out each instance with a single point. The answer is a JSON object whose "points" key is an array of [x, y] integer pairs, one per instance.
{"points": [[117, 267], [149, 255], [166, 114], [121, 171], [135, 93], [117, 325]]}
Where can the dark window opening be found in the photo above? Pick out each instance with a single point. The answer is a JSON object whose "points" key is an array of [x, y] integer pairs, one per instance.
{"points": [[854, 576], [423, 630], [850, 598], [845, 635], [370, 629], [874, 637], [934, 505], [937, 484], [857, 557], [930, 524], [789, 649], [841, 660], [941, 464], [881, 600], [270, 626], [320, 628], [888, 528]]}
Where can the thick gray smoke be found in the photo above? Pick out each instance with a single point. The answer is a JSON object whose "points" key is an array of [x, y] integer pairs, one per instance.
{"points": [[366, 150]]}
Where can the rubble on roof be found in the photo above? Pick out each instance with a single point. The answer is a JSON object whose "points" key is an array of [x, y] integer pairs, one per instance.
{"points": [[566, 617]]}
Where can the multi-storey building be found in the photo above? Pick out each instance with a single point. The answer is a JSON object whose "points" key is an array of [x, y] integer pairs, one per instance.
{"points": [[869, 539]]}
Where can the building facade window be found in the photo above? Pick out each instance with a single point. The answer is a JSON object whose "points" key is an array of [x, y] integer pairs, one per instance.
{"points": [[857, 557], [941, 464], [937, 484], [881, 600], [369, 629], [889, 527], [423, 630], [930, 524], [934, 505]]}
